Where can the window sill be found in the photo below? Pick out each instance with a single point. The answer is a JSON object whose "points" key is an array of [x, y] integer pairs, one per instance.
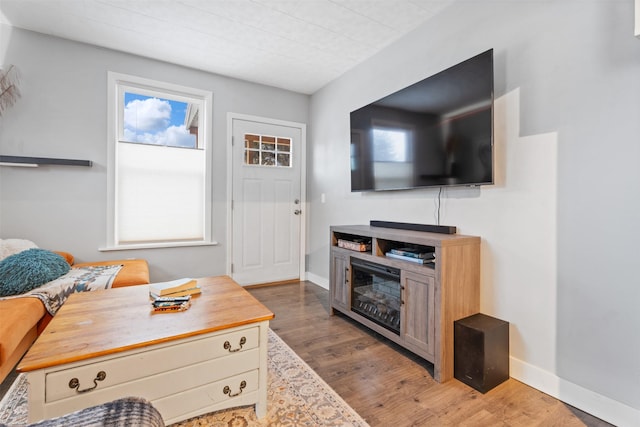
{"points": [[156, 246]]}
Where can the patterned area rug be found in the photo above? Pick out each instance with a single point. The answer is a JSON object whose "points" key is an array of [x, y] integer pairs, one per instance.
{"points": [[297, 396]]}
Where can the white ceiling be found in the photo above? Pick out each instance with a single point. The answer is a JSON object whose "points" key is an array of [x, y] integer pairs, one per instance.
{"points": [[299, 45]]}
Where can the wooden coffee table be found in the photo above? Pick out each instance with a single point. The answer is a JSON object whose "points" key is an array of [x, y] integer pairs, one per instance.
{"points": [[103, 345]]}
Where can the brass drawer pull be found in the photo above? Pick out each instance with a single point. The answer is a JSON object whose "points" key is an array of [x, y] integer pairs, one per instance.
{"points": [[75, 383], [227, 345], [227, 390]]}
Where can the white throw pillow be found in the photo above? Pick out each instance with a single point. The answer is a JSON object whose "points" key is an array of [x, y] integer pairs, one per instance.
{"points": [[9, 247]]}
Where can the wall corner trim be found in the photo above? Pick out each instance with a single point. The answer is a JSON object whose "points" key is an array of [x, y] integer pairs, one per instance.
{"points": [[637, 21], [318, 280]]}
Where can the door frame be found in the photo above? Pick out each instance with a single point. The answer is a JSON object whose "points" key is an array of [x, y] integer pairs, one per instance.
{"points": [[303, 183]]}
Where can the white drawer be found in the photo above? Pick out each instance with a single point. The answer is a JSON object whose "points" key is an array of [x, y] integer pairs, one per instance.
{"points": [[230, 391], [166, 384], [148, 362]]}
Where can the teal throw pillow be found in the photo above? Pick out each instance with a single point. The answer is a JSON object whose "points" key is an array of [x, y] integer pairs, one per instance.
{"points": [[26, 270]]}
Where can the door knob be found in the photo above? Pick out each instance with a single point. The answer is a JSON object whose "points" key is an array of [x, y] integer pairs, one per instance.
{"points": [[297, 212]]}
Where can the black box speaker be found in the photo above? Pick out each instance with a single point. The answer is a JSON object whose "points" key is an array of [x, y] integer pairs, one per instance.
{"points": [[481, 351]]}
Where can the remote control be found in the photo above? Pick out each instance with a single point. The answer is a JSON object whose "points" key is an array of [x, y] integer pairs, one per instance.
{"points": [[172, 299]]}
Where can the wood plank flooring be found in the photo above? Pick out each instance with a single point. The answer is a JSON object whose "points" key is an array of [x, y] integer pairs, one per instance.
{"points": [[389, 386]]}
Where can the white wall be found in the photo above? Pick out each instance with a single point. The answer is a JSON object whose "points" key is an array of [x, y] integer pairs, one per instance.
{"points": [[558, 226], [63, 114]]}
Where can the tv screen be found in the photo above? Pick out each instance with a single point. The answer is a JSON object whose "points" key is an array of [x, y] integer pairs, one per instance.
{"points": [[436, 132]]}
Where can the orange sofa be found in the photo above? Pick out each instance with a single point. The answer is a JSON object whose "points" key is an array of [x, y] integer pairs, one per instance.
{"points": [[23, 319]]}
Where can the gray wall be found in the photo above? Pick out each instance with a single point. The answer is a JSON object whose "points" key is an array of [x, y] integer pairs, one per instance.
{"points": [[62, 113], [557, 228], [560, 226]]}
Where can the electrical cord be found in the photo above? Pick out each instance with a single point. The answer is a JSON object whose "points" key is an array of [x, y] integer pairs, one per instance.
{"points": [[438, 204]]}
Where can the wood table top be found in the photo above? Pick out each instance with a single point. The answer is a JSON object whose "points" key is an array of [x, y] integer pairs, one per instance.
{"points": [[99, 323]]}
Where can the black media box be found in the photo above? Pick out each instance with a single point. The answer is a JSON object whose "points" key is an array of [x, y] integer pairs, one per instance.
{"points": [[481, 351]]}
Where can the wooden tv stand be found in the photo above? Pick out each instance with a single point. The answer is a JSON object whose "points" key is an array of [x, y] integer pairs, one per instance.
{"points": [[431, 296]]}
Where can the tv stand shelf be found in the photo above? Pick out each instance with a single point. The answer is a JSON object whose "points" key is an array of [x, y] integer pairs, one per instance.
{"points": [[433, 295]]}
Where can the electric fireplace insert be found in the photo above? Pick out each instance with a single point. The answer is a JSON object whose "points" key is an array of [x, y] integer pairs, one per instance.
{"points": [[376, 293]]}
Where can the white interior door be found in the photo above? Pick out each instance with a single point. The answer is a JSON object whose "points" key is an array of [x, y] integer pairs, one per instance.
{"points": [[266, 201]]}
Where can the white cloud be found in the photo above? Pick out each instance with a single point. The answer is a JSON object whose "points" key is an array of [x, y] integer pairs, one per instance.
{"points": [[149, 115], [173, 136], [147, 121], [178, 136]]}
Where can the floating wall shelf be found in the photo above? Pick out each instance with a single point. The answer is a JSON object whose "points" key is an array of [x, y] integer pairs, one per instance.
{"points": [[37, 161]]}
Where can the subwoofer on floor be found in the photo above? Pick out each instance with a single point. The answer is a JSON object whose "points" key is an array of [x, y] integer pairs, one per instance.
{"points": [[481, 351]]}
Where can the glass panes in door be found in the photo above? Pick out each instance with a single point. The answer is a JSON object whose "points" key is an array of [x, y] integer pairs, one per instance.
{"points": [[266, 150]]}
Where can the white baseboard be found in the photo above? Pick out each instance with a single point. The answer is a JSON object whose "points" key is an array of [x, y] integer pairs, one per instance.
{"points": [[318, 280], [586, 400], [599, 406]]}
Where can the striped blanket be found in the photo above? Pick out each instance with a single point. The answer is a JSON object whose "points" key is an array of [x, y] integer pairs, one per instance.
{"points": [[82, 279]]}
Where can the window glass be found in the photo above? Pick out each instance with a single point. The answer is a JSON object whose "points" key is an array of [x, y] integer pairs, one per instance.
{"points": [[160, 166], [159, 121], [266, 150]]}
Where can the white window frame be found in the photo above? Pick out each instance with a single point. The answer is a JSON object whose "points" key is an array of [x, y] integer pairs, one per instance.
{"points": [[116, 82]]}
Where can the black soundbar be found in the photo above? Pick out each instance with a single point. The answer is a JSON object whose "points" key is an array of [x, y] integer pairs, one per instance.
{"points": [[442, 229]]}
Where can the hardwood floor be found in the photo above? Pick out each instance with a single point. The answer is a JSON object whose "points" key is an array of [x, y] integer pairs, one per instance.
{"points": [[389, 386]]}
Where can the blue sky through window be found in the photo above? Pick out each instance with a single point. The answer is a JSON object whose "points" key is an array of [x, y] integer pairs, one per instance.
{"points": [[158, 121]]}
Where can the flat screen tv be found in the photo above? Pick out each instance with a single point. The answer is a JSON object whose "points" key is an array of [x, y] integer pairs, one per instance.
{"points": [[436, 132]]}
